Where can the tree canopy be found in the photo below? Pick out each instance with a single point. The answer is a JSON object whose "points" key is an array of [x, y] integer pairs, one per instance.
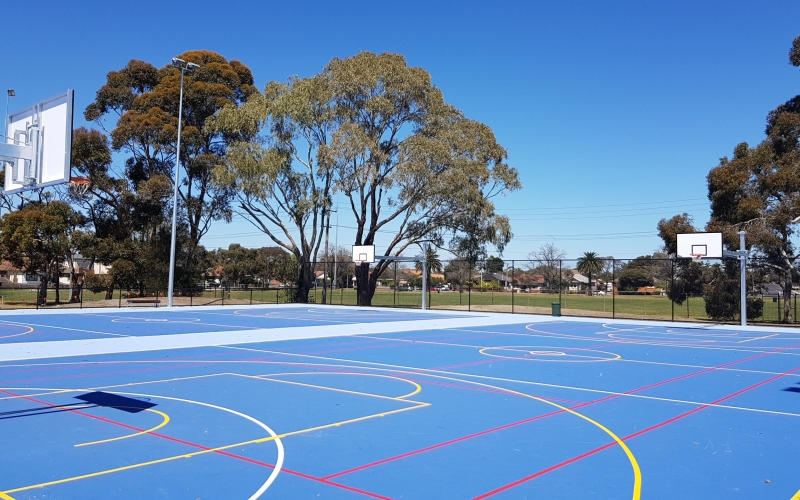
{"points": [[590, 263], [379, 133], [548, 263], [145, 101], [757, 190], [39, 237]]}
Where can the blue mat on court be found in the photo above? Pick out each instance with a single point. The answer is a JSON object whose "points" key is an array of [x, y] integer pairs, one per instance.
{"points": [[495, 407]]}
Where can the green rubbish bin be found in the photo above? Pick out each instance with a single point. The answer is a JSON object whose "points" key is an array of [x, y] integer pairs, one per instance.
{"points": [[556, 308]]}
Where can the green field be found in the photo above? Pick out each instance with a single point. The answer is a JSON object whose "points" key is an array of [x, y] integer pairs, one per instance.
{"points": [[619, 306]]}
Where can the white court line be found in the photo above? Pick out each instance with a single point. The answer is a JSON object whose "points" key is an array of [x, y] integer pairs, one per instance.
{"points": [[278, 443], [433, 373], [629, 342], [62, 328], [620, 360], [408, 370]]}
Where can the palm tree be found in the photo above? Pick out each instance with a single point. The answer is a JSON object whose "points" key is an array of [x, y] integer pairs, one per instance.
{"points": [[434, 264], [590, 263]]}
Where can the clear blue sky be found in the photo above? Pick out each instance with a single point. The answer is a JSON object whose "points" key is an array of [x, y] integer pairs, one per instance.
{"points": [[613, 112]]}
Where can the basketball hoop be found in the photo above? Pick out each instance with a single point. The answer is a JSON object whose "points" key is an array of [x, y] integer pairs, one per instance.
{"points": [[79, 186], [697, 257]]}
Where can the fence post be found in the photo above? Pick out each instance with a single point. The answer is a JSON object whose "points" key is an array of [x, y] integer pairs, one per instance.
{"points": [[512, 286], [469, 296], [672, 285], [119, 297], [613, 288], [80, 298], [560, 285], [251, 296]]}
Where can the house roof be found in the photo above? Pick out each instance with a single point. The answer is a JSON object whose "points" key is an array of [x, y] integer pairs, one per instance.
{"points": [[529, 279], [7, 266]]}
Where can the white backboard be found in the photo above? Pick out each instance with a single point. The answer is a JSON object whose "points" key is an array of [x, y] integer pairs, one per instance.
{"points": [[52, 157], [707, 245], [364, 253]]}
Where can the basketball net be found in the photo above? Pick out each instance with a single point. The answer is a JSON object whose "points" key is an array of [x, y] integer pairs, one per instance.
{"points": [[697, 257], [79, 186]]}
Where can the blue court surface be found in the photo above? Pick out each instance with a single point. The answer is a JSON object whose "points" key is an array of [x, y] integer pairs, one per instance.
{"points": [[299, 402]]}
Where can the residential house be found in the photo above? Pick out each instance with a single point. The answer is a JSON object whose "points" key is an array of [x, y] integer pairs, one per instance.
{"points": [[503, 279], [580, 283], [527, 282]]}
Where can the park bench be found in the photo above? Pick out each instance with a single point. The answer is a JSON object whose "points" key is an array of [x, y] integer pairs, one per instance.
{"points": [[132, 302]]}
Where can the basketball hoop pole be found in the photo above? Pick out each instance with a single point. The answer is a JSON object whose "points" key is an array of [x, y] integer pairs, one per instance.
{"points": [[393, 258], [741, 254]]}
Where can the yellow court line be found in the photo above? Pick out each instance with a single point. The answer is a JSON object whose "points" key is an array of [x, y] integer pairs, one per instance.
{"points": [[3, 496], [164, 422], [343, 422], [417, 387], [796, 496], [205, 452], [758, 338], [637, 473], [619, 341], [379, 396], [30, 330], [84, 389]]}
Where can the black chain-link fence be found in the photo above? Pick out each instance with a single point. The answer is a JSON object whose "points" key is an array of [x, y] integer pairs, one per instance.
{"points": [[642, 288]]}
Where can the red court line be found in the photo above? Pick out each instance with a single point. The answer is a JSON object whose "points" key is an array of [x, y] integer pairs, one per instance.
{"points": [[199, 446], [607, 398], [440, 445], [95, 374], [630, 436]]}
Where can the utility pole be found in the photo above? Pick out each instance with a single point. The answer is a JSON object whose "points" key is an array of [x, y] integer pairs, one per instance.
{"points": [[335, 276], [325, 267], [743, 278]]}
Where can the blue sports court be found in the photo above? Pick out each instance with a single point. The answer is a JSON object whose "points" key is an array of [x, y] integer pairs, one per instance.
{"points": [[347, 403]]}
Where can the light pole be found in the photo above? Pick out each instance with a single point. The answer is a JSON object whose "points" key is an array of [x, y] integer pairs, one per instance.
{"points": [[184, 67]]}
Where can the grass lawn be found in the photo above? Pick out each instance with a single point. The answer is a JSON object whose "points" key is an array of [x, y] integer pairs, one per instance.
{"points": [[619, 306]]}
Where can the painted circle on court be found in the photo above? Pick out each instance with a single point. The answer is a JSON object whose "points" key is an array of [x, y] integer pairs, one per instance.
{"points": [[550, 354], [11, 330], [157, 321]]}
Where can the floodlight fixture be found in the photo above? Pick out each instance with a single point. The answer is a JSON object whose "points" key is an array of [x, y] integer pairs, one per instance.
{"points": [[9, 93], [184, 67]]}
